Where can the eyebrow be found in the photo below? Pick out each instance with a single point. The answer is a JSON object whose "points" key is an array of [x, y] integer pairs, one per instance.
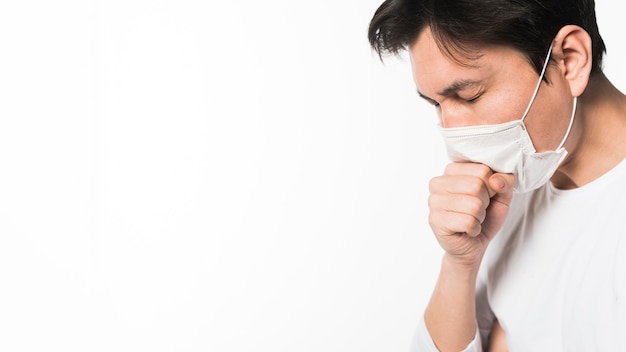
{"points": [[456, 86]]}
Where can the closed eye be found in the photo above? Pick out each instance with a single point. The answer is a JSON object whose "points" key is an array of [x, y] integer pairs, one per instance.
{"points": [[430, 101], [472, 100]]}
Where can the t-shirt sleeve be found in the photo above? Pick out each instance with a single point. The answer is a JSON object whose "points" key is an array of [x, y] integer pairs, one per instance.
{"points": [[422, 342]]}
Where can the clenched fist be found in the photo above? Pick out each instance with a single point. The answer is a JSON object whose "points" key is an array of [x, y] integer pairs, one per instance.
{"points": [[468, 206]]}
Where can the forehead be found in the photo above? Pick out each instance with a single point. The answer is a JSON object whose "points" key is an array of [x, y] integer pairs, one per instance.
{"points": [[433, 67], [429, 60]]}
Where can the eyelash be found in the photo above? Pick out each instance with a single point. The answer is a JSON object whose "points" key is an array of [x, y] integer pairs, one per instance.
{"points": [[473, 100], [470, 100], [432, 102]]}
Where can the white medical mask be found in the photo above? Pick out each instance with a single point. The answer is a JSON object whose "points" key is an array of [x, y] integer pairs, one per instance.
{"points": [[507, 148]]}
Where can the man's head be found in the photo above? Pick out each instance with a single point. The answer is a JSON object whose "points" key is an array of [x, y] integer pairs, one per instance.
{"points": [[478, 62], [461, 26]]}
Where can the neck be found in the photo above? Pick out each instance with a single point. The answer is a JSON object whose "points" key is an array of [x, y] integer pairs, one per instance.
{"points": [[598, 139]]}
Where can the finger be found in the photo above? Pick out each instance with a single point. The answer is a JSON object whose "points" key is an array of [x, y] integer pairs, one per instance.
{"points": [[450, 223], [498, 208], [502, 184], [470, 169], [457, 185], [460, 204], [481, 171]]}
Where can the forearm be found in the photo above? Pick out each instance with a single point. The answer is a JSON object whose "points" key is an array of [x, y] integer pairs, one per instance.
{"points": [[451, 313]]}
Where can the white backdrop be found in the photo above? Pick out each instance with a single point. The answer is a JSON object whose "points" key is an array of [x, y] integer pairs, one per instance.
{"points": [[213, 176]]}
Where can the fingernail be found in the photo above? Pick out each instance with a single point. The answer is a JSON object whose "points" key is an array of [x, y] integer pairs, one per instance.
{"points": [[500, 183]]}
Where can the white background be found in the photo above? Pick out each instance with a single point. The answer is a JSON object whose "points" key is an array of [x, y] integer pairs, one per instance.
{"points": [[214, 176]]}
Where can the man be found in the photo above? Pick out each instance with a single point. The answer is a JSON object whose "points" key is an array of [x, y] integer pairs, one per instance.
{"points": [[531, 212]]}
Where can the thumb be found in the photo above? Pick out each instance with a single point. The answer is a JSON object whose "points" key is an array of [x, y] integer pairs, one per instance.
{"points": [[502, 185], [498, 209]]}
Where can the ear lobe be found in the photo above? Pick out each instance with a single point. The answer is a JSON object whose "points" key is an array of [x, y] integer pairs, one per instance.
{"points": [[573, 52]]}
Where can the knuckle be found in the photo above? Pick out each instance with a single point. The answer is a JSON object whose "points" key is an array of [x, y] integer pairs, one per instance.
{"points": [[431, 201], [468, 223], [481, 215], [433, 219], [449, 168], [475, 205], [484, 171], [432, 184], [475, 185]]}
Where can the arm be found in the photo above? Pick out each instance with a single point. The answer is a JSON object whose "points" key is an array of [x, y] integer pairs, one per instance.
{"points": [[497, 339], [468, 206], [450, 315]]}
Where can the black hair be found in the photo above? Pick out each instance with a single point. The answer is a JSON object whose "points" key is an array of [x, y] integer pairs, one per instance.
{"points": [[459, 26]]}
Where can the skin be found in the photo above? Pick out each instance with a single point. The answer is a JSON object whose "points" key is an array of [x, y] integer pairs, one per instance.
{"points": [[497, 339], [469, 202]]}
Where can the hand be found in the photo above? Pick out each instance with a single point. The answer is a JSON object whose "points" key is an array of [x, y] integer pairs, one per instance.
{"points": [[468, 206]]}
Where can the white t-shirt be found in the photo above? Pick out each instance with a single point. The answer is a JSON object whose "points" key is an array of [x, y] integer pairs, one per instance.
{"points": [[555, 275]]}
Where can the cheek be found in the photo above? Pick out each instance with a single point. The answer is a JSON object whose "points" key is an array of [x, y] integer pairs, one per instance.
{"points": [[501, 109], [487, 111], [505, 101], [548, 120]]}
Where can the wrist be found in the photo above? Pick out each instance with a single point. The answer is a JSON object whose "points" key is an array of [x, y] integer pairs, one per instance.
{"points": [[461, 267]]}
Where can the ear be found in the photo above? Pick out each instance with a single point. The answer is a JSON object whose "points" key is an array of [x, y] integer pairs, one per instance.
{"points": [[573, 54]]}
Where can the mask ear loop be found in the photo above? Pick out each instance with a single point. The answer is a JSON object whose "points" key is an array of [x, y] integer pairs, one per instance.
{"points": [[543, 71], [569, 128]]}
